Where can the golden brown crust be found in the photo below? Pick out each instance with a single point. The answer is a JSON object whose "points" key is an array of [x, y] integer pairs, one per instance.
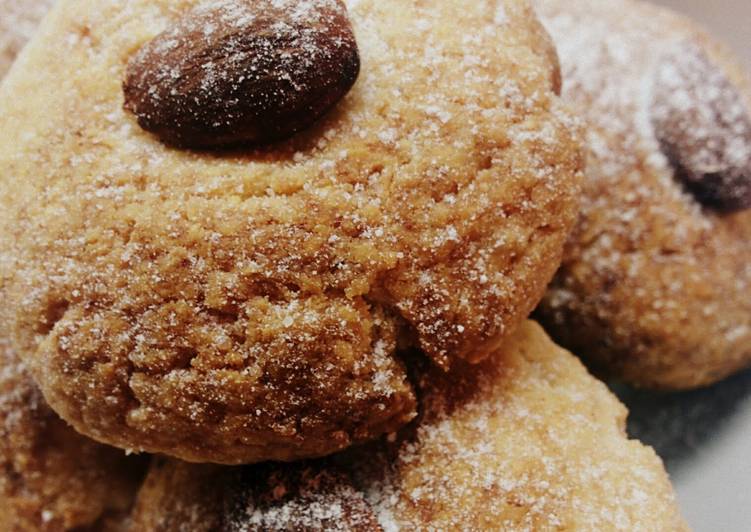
{"points": [[242, 306], [654, 286], [51, 478], [526, 440]]}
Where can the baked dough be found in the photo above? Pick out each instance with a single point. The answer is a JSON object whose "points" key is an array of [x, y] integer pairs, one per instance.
{"points": [[51, 478], [241, 306], [527, 440], [655, 281]]}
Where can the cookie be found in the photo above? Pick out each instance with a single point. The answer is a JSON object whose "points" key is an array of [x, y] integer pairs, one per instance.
{"points": [[245, 304], [527, 440], [51, 478], [655, 279], [18, 22]]}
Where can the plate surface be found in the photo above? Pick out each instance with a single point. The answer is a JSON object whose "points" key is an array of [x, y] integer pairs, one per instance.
{"points": [[703, 437]]}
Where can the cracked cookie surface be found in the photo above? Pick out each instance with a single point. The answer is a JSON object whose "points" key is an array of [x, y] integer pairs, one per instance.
{"points": [[526, 440], [249, 305]]}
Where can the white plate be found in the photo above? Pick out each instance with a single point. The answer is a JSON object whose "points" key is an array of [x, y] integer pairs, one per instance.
{"points": [[703, 437]]}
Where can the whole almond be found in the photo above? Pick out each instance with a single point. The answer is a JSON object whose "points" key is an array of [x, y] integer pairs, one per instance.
{"points": [[703, 124], [243, 71]]}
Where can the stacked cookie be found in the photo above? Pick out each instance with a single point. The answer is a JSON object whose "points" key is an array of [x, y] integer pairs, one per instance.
{"points": [[238, 234], [657, 269]]}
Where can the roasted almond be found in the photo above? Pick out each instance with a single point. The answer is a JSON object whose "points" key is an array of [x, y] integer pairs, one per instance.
{"points": [[243, 71], [703, 124]]}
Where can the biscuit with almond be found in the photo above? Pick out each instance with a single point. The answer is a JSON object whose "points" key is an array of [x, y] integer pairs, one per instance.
{"points": [[249, 302], [655, 282]]}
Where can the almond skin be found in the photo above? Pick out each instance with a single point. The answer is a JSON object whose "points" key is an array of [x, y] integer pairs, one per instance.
{"points": [[243, 72], [703, 125]]}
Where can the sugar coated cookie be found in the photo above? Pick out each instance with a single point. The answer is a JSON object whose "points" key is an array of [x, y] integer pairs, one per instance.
{"points": [[656, 278], [248, 303]]}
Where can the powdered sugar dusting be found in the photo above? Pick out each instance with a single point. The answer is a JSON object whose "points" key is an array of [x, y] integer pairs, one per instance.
{"points": [[308, 499], [527, 442]]}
